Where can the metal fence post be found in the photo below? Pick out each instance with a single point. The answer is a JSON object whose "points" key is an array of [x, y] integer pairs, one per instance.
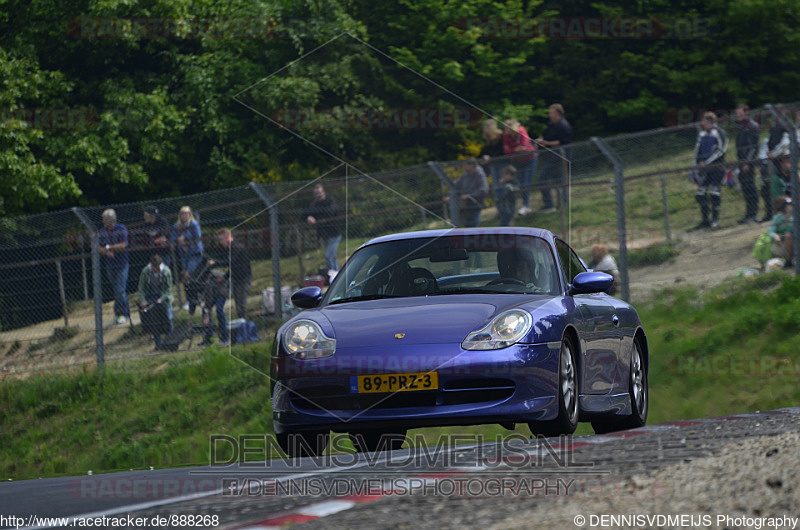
{"points": [[793, 180], [97, 287], [60, 274], [274, 228], [445, 180], [619, 182], [83, 269]]}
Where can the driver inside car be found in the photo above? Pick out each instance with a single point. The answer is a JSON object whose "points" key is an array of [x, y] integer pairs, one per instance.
{"points": [[513, 264]]}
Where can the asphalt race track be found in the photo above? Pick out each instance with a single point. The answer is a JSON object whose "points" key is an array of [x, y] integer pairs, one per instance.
{"points": [[357, 490]]}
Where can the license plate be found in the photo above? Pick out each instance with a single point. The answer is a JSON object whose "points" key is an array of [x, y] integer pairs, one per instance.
{"points": [[408, 382]]}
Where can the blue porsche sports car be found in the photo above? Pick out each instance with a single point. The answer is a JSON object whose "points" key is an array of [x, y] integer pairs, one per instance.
{"points": [[457, 327]]}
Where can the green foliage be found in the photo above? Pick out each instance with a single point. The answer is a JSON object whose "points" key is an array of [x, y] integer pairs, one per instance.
{"points": [[162, 119], [29, 183]]}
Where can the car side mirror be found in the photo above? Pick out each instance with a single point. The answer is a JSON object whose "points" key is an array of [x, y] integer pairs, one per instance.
{"points": [[591, 282], [307, 297]]}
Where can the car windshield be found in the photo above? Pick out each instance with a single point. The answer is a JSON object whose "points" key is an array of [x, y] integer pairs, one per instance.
{"points": [[448, 265]]}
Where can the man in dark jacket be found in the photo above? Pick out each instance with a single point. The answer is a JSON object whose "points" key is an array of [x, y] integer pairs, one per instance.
{"points": [[777, 148], [557, 134], [156, 231], [239, 273], [746, 152], [323, 214]]}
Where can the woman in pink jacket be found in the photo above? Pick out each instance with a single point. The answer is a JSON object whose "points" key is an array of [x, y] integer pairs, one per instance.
{"points": [[517, 142]]}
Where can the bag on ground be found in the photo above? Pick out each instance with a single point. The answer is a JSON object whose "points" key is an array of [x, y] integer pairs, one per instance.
{"points": [[154, 319]]}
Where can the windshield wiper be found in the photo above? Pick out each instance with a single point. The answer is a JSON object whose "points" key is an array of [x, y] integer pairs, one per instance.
{"points": [[364, 297]]}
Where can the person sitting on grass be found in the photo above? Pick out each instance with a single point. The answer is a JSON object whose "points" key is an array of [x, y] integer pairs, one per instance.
{"points": [[602, 261], [780, 230]]}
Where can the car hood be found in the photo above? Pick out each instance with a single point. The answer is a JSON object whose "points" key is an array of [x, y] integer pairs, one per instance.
{"points": [[425, 320]]}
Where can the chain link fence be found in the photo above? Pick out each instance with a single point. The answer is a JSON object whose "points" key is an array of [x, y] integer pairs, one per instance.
{"points": [[630, 194]]}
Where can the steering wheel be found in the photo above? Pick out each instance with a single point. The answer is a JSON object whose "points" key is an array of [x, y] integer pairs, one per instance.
{"points": [[500, 281]]}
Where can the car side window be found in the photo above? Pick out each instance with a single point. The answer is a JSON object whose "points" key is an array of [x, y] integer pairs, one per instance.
{"points": [[571, 265]]}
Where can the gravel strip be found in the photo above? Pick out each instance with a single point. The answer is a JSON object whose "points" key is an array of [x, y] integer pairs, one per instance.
{"points": [[756, 477]]}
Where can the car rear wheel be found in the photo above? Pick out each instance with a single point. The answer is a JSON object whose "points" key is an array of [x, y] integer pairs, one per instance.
{"points": [[297, 444], [567, 419], [369, 441], [639, 394]]}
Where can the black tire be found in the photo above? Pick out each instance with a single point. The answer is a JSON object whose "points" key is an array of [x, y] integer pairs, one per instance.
{"points": [[639, 393], [298, 444], [369, 441], [567, 420]]}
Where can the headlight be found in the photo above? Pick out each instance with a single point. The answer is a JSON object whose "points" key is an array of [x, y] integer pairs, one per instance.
{"points": [[304, 339], [504, 330]]}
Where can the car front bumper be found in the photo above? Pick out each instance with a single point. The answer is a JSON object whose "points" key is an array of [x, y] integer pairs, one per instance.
{"points": [[515, 384]]}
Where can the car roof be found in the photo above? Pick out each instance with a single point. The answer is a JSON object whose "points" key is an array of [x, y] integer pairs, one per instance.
{"points": [[450, 232]]}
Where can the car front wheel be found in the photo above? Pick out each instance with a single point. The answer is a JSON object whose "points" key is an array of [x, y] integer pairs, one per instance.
{"points": [[639, 394], [567, 419]]}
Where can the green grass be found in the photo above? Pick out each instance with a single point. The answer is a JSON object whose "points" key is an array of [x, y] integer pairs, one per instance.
{"points": [[733, 349], [652, 255], [161, 412], [160, 415]]}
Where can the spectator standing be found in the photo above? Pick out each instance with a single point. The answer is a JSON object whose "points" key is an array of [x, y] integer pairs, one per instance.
{"points": [[214, 297], [777, 148], [747, 133], [155, 287], [323, 214], [492, 150], [507, 195], [557, 134], [112, 244], [195, 285], [602, 261], [766, 181], [157, 233], [709, 151], [778, 139], [517, 142], [187, 238], [239, 273], [472, 188]]}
